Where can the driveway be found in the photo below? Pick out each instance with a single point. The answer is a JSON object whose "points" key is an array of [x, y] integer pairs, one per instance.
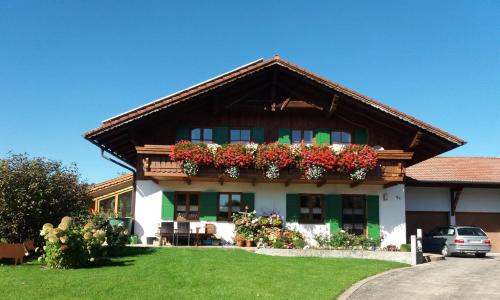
{"points": [[453, 278]]}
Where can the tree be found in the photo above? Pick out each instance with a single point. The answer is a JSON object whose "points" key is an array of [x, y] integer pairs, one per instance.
{"points": [[34, 191]]}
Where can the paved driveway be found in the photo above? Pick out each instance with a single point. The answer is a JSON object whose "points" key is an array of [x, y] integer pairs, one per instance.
{"points": [[453, 278]]}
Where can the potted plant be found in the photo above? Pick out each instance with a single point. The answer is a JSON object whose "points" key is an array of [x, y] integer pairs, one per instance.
{"points": [[249, 240], [239, 239]]}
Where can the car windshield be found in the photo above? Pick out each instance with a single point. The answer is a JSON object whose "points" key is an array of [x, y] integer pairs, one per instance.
{"points": [[471, 231]]}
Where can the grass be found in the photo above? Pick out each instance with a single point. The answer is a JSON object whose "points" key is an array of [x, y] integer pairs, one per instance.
{"points": [[181, 273]]}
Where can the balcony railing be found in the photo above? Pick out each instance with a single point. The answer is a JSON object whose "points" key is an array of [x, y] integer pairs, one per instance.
{"points": [[156, 162]]}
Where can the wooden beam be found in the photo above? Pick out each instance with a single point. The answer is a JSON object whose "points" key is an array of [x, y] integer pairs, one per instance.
{"points": [[285, 103], [254, 181], [455, 196], [390, 184], [221, 180], [287, 182], [321, 182], [333, 106], [356, 183], [188, 180], [416, 140]]}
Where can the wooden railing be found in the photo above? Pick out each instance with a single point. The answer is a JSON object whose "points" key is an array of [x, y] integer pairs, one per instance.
{"points": [[156, 162]]}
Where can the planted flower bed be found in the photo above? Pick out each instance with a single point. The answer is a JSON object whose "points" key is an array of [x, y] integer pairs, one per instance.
{"points": [[313, 161]]}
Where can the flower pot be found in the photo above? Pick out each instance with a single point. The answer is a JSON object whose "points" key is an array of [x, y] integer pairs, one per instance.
{"points": [[239, 243], [249, 243]]}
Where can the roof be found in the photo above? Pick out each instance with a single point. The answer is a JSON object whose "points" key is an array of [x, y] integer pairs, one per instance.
{"points": [[246, 70], [471, 170], [111, 185]]}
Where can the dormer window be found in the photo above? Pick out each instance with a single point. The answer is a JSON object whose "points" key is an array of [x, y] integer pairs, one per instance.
{"points": [[239, 136], [302, 135], [341, 137], [201, 135]]}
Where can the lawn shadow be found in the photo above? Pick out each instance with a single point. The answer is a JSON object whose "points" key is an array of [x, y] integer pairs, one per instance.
{"points": [[107, 262], [137, 251]]}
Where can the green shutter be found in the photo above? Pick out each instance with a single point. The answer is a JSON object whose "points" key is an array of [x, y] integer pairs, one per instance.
{"points": [[182, 133], [333, 212], [372, 207], [167, 206], [360, 136], [221, 135], [322, 136], [249, 200], [258, 135], [208, 206], [284, 136], [292, 207]]}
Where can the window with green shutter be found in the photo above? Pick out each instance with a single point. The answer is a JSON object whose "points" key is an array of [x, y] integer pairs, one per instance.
{"points": [[248, 200], [181, 134], [284, 136], [333, 212], [258, 135], [292, 207], [167, 206], [322, 136], [373, 216], [221, 135], [360, 136], [208, 206]]}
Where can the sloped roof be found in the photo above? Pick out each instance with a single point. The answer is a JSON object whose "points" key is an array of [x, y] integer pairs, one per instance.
{"points": [[112, 185], [476, 170], [246, 70]]}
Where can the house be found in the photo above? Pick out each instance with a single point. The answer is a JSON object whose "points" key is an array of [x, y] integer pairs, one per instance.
{"points": [[267, 101], [113, 196], [455, 191]]}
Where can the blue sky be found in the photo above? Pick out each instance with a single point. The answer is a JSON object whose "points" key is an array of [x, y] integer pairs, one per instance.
{"points": [[67, 65]]}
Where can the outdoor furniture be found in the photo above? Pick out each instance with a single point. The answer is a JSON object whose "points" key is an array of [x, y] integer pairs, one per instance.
{"points": [[166, 232], [183, 231], [209, 230]]}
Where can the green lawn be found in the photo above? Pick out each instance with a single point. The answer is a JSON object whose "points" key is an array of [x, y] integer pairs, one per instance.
{"points": [[180, 273]]}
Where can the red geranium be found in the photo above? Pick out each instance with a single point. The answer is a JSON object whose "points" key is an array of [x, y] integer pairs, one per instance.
{"points": [[275, 153], [317, 155], [195, 153], [354, 157], [232, 155]]}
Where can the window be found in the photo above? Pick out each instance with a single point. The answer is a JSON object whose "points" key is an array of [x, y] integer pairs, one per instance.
{"points": [[239, 136], [353, 213], [107, 205], [201, 135], [471, 231], [302, 135], [125, 205], [187, 205], [229, 203], [341, 137], [311, 209]]}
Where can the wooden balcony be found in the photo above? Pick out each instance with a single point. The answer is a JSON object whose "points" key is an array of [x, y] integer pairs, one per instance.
{"points": [[155, 162]]}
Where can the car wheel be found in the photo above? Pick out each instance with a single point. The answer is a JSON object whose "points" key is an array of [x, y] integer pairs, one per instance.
{"points": [[444, 251], [480, 255]]}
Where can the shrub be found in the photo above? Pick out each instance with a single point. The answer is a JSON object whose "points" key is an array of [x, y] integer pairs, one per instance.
{"points": [[116, 239], [278, 244], [341, 240], [34, 191], [405, 248]]}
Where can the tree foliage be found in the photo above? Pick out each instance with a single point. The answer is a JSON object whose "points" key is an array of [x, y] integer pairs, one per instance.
{"points": [[35, 191]]}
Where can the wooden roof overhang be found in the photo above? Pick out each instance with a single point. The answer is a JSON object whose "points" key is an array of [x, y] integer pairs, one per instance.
{"points": [[286, 86]]}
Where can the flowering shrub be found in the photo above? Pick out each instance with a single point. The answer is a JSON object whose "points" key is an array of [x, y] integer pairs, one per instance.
{"points": [[342, 240], [231, 158], [192, 156], [271, 158], [314, 161], [268, 231]]}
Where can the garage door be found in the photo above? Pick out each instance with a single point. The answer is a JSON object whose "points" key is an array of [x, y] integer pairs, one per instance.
{"points": [[489, 222], [427, 220]]}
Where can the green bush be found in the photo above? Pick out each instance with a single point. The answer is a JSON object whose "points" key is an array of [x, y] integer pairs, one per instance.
{"points": [[35, 191], [116, 239], [278, 244], [133, 239], [343, 240], [405, 248]]}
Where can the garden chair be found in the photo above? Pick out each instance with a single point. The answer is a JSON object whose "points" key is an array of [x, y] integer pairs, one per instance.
{"points": [[167, 232], [209, 230], [183, 231]]}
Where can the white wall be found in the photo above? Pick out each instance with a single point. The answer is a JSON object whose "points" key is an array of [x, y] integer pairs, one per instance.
{"points": [[270, 197], [427, 199]]}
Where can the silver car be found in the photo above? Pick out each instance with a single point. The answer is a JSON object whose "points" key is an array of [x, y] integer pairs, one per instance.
{"points": [[457, 239]]}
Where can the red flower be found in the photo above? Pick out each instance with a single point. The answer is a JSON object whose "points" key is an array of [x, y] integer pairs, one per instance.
{"points": [[353, 157], [232, 155], [196, 153], [276, 153], [318, 155]]}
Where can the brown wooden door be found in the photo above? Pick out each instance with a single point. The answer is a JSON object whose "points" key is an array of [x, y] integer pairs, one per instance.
{"points": [[489, 222], [426, 220]]}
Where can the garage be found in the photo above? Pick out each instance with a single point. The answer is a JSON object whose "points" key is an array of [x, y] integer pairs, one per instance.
{"points": [[426, 220], [489, 222]]}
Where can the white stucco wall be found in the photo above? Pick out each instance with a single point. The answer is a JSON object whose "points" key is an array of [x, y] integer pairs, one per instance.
{"points": [[479, 200], [427, 199], [270, 197]]}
